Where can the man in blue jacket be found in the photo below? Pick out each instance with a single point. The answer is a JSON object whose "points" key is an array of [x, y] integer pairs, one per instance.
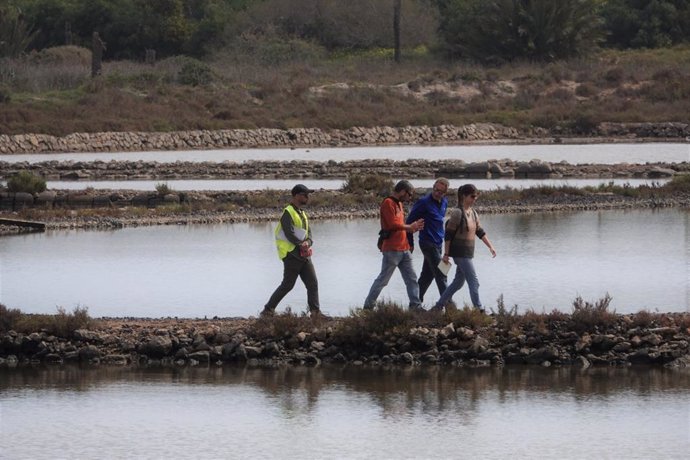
{"points": [[432, 208]]}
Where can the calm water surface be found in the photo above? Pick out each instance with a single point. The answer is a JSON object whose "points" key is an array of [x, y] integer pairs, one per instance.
{"points": [[332, 184], [344, 412], [592, 153], [545, 260]]}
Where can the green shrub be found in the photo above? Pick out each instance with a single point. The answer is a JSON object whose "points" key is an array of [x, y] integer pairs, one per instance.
{"points": [[584, 124], [622, 190], [194, 73], [586, 89], [614, 76], [25, 181], [59, 55], [550, 191], [8, 318], [5, 94], [679, 183], [368, 183], [163, 189]]}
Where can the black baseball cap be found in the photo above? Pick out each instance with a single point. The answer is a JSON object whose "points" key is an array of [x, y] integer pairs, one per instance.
{"points": [[300, 188]]}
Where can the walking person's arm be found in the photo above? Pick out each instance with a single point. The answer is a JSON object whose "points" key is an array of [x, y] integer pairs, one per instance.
{"points": [[485, 239], [446, 251], [488, 244], [391, 222], [417, 212], [451, 229]]}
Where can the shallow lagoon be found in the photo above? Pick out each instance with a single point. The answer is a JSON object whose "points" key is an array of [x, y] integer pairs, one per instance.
{"points": [[571, 153], [344, 412], [545, 260]]}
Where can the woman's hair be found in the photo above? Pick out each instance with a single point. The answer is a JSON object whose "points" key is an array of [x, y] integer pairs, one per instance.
{"points": [[467, 189]]}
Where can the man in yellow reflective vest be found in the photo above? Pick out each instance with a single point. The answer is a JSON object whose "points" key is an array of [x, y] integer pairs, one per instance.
{"points": [[293, 240]]}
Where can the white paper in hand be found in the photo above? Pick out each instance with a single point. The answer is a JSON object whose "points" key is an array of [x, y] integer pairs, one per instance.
{"points": [[444, 267]]}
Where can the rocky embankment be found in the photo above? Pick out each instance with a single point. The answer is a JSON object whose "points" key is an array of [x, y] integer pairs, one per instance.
{"points": [[299, 169], [242, 206], [116, 211], [315, 137], [624, 341]]}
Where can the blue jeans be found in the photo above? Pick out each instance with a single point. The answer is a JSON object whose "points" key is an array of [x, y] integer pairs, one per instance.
{"points": [[403, 261], [464, 272], [430, 271]]}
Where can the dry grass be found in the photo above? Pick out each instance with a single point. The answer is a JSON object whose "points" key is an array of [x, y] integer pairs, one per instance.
{"points": [[588, 316], [57, 96], [281, 325], [467, 317], [386, 318], [368, 184], [61, 324]]}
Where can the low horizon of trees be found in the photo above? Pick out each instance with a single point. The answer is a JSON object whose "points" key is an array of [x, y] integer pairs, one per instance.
{"points": [[482, 30]]}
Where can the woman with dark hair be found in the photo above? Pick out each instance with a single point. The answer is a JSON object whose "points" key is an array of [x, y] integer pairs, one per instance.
{"points": [[461, 229]]}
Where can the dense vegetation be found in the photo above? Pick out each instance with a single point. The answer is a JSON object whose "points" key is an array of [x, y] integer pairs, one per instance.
{"points": [[562, 65], [506, 29]]}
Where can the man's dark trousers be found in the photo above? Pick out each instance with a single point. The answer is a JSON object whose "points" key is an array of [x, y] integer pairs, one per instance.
{"points": [[432, 257], [292, 268]]}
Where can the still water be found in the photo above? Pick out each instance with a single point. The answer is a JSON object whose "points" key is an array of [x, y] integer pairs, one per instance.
{"points": [[576, 154], [545, 260], [333, 184], [344, 412]]}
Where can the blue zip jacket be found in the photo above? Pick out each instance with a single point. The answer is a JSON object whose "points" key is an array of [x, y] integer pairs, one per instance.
{"points": [[433, 214]]}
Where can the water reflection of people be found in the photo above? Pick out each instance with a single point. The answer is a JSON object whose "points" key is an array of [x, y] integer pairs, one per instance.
{"points": [[461, 229], [396, 247], [293, 240], [432, 208]]}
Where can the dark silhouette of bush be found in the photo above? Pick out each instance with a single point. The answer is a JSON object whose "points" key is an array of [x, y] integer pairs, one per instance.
{"points": [[24, 181]]}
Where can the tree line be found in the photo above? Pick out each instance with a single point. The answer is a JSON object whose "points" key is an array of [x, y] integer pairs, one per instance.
{"points": [[482, 30]]}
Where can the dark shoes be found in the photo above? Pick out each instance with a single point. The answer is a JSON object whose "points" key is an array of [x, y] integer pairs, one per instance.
{"points": [[318, 315], [314, 314], [267, 313]]}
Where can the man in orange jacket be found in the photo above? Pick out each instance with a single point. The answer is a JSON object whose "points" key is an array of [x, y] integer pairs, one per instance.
{"points": [[395, 247]]}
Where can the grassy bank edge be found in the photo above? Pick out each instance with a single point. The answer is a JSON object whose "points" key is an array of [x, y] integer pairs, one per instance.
{"points": [[387, 318]]}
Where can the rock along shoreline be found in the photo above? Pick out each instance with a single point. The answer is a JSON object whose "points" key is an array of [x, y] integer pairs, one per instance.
{"points": [[640, 339], [315, 137]]}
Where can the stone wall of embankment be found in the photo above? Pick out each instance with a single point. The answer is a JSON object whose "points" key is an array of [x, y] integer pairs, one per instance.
{"points": [[315, 137], [623, 341]]}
